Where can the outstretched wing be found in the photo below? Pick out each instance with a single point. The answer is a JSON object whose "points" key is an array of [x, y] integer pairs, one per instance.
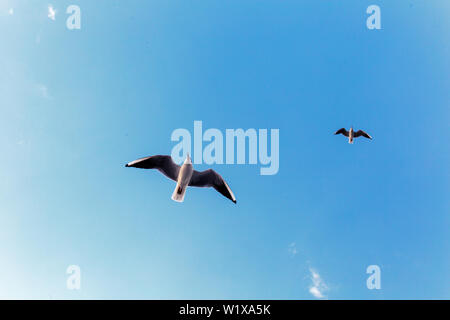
{"points": [[342, 131], [164, 164], [210, 178], [360, 133]]}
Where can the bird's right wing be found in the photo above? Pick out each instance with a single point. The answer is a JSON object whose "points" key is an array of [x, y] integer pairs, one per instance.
{"points": [[164, 164], [210, 178], [342, 131], [360, 133]]}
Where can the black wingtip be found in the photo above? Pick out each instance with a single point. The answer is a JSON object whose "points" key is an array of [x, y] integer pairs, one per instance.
{"points": [[127, 165], [234, 201]]}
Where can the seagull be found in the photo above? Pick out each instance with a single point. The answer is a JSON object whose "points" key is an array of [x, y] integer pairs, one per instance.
{"points": [[184, 175], [352, 134]]}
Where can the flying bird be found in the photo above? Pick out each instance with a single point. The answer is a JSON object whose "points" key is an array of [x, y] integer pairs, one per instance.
{"points": [[352, 134], [184, 175]]}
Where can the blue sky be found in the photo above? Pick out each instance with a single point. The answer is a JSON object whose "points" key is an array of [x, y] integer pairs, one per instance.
{"points": [[76, 105]]}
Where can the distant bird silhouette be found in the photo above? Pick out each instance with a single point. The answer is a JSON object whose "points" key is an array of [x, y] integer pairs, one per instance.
{"points": [[184, 175], [352, 134]]}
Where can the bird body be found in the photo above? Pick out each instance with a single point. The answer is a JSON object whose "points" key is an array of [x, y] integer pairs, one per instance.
{"points": [[351, 134], [185, 175]]}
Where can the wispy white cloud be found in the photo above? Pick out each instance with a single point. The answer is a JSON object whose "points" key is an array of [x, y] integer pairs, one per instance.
{"points": [[11, 11], [51, 12], [292, 249], [318, 286]]}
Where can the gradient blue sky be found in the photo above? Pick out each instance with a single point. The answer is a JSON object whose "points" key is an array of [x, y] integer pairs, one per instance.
{"points": [[77, 105]]}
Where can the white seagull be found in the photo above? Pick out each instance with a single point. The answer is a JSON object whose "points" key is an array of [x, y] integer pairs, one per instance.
{"points": [[184, 175], [352, 134]]}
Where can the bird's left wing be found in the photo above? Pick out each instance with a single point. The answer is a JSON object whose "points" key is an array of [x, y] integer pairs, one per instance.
{"points": [[210, 178], [360, 133], [164, 164], [342, 131]]}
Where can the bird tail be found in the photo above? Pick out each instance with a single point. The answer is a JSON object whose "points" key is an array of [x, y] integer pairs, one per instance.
{"points": [[178, 193]]}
